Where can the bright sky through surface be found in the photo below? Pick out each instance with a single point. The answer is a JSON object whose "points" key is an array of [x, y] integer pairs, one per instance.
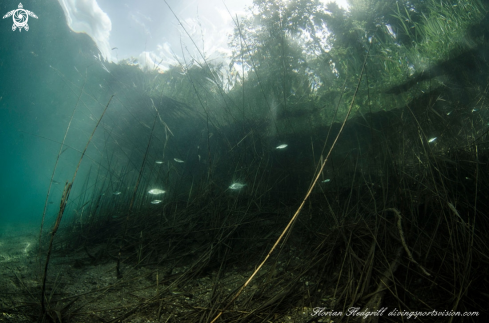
{"points": [[148, 30]]}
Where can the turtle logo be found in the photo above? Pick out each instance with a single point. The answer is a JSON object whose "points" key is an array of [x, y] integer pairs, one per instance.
{"points": [[20, 17]]}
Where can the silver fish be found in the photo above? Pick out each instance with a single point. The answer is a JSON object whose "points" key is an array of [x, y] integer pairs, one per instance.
{"points": [[159, 162], [326, 181], [432, 139], [236, 186], [281, 146], [178, 160], [117, 193], [156, 201], [156, 191]]}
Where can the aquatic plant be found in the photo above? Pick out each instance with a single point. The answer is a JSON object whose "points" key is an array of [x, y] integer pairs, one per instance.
{"points": [[64, 200]]}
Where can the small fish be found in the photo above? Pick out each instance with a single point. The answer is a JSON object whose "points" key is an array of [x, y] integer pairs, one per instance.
{"points": [[475, 110], [326, 181], [156, 191], [159, 162], [449, 113], [117, 193], [76, 69], [236, 186], [432, 139], [156, 201], [178, 160], [199, 157], [281, 146], [114, 48]]}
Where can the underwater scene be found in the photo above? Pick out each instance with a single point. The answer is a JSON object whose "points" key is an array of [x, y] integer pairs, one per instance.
{"points": [[244, 161]]}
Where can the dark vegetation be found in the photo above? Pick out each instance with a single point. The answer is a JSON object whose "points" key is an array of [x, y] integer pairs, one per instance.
{"points": [[397, 218]]}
